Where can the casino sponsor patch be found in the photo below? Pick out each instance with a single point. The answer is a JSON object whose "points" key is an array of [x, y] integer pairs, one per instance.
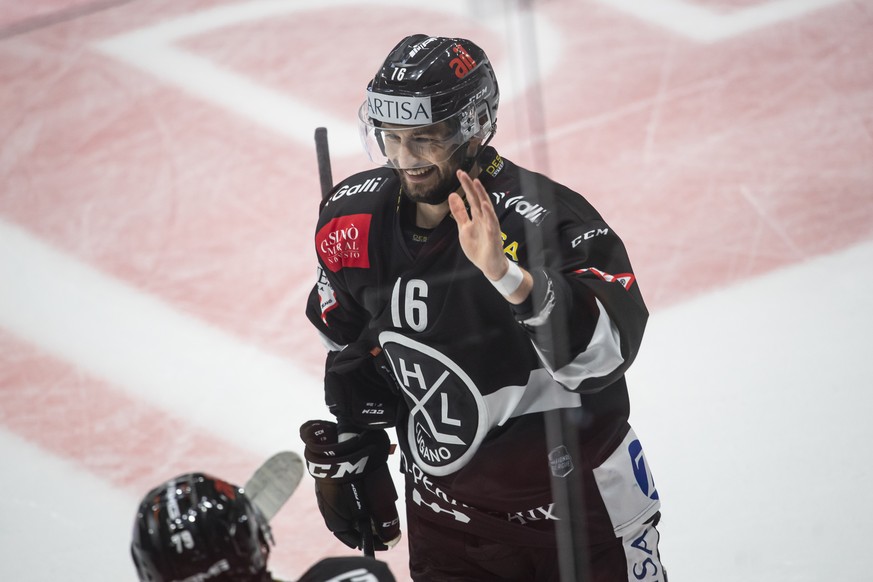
{"points": [[343, 242]]}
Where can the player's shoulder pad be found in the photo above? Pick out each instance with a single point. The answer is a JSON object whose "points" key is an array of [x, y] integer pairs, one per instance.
{"points": [[517, 196], [360, 192], [524, 198]]}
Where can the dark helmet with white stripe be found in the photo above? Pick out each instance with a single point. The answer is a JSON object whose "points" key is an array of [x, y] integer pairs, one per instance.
{"points": [[197, 527], [426, 81]]}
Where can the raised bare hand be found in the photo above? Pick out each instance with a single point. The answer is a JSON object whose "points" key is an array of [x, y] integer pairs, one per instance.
{"points": [[479, 231]]}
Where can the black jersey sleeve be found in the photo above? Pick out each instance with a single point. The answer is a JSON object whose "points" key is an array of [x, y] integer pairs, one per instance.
{"points": [[358, 390], [586, 315]]}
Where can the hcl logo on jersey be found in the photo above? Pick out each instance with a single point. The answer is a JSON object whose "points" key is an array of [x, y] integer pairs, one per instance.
{"points": [[641, 470]]}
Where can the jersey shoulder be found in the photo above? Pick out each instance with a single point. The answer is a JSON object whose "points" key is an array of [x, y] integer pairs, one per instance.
{"points": [[521, 196], [356, 212], [364, 192]]}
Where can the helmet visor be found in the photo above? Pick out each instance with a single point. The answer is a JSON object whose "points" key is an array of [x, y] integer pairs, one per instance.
{"points": [[406, 147]]}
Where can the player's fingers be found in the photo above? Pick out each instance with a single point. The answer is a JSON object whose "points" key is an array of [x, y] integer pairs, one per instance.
{"points": [[484, 211], [459, 211], [484, 200], [470, 192]]}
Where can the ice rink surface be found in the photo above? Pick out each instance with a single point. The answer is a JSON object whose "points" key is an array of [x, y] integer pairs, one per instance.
{"points": [[158, 192]]}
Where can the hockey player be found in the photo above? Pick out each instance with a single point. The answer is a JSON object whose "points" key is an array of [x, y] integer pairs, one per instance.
{"points": [[196, 527], [463, 297]]}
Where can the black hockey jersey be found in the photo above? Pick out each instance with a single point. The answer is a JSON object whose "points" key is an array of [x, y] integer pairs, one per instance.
{"points": [[472, 374]]}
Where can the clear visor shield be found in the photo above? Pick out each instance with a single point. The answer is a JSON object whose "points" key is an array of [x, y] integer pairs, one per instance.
{"points": [[406, 147]]}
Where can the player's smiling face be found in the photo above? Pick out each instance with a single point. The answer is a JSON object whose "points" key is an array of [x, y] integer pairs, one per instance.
{"points": [[425, 158]]}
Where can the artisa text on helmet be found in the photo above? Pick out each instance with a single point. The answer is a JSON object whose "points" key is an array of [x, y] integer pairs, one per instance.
{"points": [[399, 110]]}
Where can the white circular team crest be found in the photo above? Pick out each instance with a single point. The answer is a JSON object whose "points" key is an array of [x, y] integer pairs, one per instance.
{"points": [[447, 414]]}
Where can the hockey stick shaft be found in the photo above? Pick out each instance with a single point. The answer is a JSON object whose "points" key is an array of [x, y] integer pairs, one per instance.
{"points": [[367, 545], [322, 156], [325, 179]]}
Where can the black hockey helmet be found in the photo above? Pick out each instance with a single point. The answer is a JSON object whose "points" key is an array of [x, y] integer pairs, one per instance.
{"points": [[198, 527], [430, 81]]}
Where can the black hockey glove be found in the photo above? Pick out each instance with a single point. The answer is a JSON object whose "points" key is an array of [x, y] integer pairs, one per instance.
{"points": [[352, 483]]}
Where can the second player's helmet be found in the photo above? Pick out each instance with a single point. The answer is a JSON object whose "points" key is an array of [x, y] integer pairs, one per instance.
{"points": [[198, 527], [430, 81]]}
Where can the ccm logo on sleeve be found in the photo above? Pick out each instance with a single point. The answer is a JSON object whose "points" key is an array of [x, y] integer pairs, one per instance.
{"points": [[342, 242]]}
